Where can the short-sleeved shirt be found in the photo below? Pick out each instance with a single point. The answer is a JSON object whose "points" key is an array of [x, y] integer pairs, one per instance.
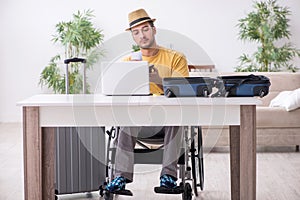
{"points": [[169, 63]]}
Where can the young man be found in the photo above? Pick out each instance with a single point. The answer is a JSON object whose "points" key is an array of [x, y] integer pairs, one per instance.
{"points": [[166, 63]]}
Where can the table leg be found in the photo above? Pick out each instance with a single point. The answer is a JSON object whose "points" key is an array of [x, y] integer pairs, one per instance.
{"points": [[48, 160], [234, 134], [38, 147], [243, 155]]}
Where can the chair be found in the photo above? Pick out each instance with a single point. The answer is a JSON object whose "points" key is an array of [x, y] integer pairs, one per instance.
{"points": [[209, 68], [190, 163]]}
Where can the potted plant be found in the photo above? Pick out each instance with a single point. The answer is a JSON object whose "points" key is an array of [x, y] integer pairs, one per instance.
{"points": [[79, 38], [268, 26]]}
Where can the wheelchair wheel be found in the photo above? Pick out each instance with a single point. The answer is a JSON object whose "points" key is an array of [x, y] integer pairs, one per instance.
{"points": [[194, 175], [187, 193], [197, 160], [200, 159]]}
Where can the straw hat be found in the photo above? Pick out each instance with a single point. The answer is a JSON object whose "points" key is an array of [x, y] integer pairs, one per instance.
{"points": [[138, 17]]}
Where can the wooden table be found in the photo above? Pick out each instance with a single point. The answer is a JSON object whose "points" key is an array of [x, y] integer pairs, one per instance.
{"points": [[42, 113]]}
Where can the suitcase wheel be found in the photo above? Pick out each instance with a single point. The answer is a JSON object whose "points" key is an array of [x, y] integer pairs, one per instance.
{"points": [[108, 195], [101, 190]]}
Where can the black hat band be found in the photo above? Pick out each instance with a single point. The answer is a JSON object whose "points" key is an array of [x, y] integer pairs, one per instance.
{"points": [[139, 20]]}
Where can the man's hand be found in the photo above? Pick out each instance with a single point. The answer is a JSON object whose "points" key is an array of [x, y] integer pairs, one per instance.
{"points": [[154, 76]]}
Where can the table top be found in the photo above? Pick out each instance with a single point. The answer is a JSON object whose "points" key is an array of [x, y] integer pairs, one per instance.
{"points": [[49, 100]]}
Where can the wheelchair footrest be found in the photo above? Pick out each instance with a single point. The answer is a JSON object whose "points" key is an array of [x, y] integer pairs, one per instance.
{"points": [[165, 190], [123, 192]]}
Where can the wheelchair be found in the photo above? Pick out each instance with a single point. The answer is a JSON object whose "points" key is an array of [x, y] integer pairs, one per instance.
{"points": [[190, 163]]}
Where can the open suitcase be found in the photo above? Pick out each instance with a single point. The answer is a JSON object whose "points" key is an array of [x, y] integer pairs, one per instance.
{"points": [[80, 154], [188, 86], [243, 86]]}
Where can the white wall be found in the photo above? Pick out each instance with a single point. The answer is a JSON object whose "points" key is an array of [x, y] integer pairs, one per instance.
{"points": [[27, 26]]}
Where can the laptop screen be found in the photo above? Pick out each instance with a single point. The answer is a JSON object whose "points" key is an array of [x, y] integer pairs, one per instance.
{"points": [[125, 78]]}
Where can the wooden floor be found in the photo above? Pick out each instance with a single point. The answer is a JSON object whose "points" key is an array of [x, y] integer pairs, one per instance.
{"points": [[278, 173]]}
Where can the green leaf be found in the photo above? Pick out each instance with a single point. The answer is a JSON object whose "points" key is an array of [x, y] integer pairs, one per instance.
{"points": [[265, 25], [79, 38]]}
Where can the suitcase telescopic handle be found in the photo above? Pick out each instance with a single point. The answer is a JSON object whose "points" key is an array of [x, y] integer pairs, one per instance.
{"points": [[82, 60], [74, 60]]}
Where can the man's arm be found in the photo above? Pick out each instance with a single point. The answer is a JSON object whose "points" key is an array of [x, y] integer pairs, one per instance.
{"points": [[180, 67]]}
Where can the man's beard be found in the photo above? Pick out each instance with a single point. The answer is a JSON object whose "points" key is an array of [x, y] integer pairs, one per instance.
{"points": [[147, 46]]}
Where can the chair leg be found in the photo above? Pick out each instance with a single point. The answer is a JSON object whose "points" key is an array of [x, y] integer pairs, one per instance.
{"points": [[297, 148]]}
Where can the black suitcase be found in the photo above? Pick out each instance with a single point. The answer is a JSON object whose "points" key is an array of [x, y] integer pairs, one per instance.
{"points": [[243, 86], [188, 86]]}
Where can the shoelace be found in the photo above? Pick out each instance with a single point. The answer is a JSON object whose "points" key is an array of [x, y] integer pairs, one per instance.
{"points": [[167, 181], [117, 184]]}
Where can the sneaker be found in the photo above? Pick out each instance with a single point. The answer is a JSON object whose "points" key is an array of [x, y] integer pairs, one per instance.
{"points": [[167, 181], [117, 184]]}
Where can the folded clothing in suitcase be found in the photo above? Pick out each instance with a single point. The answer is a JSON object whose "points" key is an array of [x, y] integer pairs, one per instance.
{"points": [[188, 86], [243, 86]]}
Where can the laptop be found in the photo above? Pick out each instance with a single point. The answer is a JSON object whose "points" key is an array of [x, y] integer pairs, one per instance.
{"points": [[125, 78]]}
